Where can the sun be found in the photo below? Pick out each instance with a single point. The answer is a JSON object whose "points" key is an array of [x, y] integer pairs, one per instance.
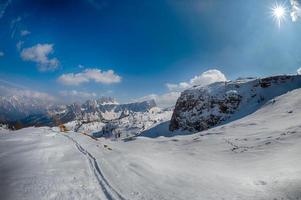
{"points": [[279, 12]]}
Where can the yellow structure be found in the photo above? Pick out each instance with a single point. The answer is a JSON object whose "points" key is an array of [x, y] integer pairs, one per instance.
{"points": [[63, 128]]}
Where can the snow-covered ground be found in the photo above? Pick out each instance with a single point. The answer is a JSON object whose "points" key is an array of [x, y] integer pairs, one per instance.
{"points": [[256, 157], [37, 163]]}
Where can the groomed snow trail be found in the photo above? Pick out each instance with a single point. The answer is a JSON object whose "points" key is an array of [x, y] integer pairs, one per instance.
{"points": [[108, 190], [38, 163]]}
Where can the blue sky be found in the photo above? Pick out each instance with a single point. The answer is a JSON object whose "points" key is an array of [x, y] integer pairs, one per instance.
{"points": [[133, 48]]}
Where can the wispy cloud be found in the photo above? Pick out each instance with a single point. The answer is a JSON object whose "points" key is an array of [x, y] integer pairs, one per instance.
{"points": [[105, 77], [11, 84], [25, 32], [1, 53], [19, 45], [6, 90], [40, 55], [14, 26], [295, 10], [3, 6], [164, 100], [178, 87], [76, 93], [205, 78]]}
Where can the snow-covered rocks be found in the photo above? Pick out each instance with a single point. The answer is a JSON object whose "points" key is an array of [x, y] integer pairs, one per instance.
{"points": [[200, 108], [113, 120], [4, 128], [127, 125], [91, 111], [134, 123]]}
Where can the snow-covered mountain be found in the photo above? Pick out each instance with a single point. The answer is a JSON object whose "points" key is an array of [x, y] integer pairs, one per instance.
{"points": [[128, 124], [122, 120], [134, 123], [17, 103], [16, 107], [254, 158], [106, 101], [101, 110], [101, 117], [200, 108]]}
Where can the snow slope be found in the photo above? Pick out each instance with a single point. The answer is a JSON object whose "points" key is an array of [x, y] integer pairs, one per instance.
{"points": [[37, 163], [253, 158]]}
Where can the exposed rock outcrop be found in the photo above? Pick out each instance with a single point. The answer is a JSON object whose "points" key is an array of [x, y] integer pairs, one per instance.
{"points": [[200, 108]]}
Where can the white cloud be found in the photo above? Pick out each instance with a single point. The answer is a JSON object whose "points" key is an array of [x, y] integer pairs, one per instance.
{"points": [[40, 54], [299, 71], [76, 96], [24, 32], [165, 100], [105, 77], [205, 78], [75, 93], [73, 79], [178, 87], [1, 53], [6, 90], [295, 10], [208, 77], [37, 95]]}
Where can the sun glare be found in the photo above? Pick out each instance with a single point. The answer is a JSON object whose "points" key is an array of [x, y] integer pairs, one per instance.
{"points": [[279, 13]]}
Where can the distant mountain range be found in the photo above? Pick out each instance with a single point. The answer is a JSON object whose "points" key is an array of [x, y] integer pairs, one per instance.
{"points": [[28, 112], [19, 110], [17, 107]]}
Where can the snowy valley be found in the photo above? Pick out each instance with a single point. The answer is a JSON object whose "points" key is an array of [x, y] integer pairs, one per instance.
{"points": [[228, 140]]}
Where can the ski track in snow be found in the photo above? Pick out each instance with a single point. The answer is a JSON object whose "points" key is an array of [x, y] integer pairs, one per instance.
{"points": [[108, 190], [254, 158]]}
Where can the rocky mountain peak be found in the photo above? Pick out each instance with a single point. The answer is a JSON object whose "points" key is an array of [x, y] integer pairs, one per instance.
{"points": [[200, 108]]}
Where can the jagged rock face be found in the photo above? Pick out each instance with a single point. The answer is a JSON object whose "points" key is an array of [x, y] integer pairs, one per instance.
{"points": [[200, 108], [91, 110], [134, 123], [106, 101]]}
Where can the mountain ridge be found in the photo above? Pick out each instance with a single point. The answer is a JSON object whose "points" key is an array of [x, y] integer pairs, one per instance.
{"points": [[200, 108], [91, 110]]}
